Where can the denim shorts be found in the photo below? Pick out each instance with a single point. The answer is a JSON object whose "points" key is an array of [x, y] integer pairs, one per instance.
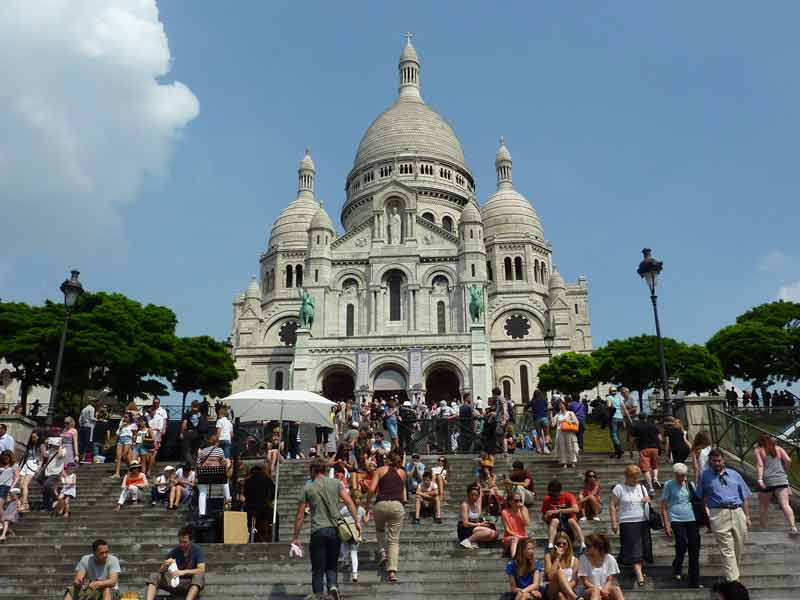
{"points": [[392, 427], [4, 489], [124, 440], [141, 450], [226, 448]]}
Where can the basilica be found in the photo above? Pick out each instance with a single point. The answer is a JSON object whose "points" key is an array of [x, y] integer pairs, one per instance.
{"points": [[389, 298]]}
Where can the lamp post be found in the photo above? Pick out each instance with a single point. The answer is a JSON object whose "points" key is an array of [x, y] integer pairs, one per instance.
{"points": [[649, 270], [72, 290], [549, 341]]}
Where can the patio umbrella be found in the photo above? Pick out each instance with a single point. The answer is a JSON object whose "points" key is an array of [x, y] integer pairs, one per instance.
{"points": [[280, 405]]}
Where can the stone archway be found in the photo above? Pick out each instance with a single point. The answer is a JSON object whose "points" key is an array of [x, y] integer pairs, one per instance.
{"points": [[442, 383], [338, 385], [390, 381]]}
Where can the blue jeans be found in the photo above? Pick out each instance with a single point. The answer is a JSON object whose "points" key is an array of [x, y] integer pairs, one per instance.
{"points": [[226, 448], [324, 551], [391, 425], [614, 430]]}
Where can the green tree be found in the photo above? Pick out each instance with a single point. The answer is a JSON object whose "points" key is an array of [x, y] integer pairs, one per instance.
{"points": [[570, 372], [695, 369], [202, 365], [763, 346], [29, 338]]}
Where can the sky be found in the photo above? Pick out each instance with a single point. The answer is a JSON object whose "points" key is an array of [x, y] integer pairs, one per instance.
{"points": [[151, 145]]}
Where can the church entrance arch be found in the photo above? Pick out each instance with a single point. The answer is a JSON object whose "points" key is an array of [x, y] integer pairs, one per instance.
{"points": [[442, 384], [390, 381], [338, 385]]}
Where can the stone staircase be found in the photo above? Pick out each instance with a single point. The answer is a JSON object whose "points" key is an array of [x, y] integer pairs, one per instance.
{"points": [[38, 562]]}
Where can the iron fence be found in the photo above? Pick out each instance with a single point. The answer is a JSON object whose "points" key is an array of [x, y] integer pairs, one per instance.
{"points": [[738, 436]]}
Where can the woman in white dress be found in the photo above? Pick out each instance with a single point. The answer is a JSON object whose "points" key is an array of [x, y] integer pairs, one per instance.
{"points": [[566, 439]]}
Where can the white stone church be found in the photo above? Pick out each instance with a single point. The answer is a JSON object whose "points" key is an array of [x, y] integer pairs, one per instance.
{"points": [[391, 298]]}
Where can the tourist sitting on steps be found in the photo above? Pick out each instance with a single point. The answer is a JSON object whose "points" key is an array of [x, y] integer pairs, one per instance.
{"points": [[428, 499], [473, 526], [182, 488], [560, 511], [160, 491], [589, 500], [524, 572], [521, 480], [414, 470], [561, 570], [183, 573], [96, 575], [729, 590], [133, 485], [516, 520], [598, 570]]}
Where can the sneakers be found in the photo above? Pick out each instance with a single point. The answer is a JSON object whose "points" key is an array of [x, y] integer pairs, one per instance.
{"points": [[549, 547], [582, 519], [546, 450], [595, 518], [651, 492], [354, 578], [465, 543], [333, 594]]}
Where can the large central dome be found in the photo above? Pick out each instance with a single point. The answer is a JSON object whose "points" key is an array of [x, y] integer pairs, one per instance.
{"points": [[409, 126]]}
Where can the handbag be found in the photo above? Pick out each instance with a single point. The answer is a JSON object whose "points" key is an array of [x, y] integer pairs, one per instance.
{"points": [[570, 427], [698, 507], [211, 474], [346, 531], [653, 517]]}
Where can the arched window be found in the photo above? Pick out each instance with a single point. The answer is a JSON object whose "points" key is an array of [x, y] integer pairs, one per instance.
{"points": [[518, 267], [289, 276], [507, 264], [317, 239], [278, 380], [507, 388], [447, 223], [523, 384], [298, 276], [395, 282], [440, 317], [428, 216], [349, 329], [316, 275], [536, 271], [472, 269], [489, 272], [471, 233]]}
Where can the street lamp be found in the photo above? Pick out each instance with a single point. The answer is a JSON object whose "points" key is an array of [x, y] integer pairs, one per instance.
{"points": [[649, 270], [72, 290], [549, 341]]}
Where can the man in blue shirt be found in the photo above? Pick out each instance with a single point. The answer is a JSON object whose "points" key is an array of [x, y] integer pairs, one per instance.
{"points": [[616, 407], [183, 573], [726, 495], [576, 406]]}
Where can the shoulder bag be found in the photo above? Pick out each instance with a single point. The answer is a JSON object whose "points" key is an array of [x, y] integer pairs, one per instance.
{"points": [[346, 531], [570, 424], [652, 517], [211, 474], [698, 507]]}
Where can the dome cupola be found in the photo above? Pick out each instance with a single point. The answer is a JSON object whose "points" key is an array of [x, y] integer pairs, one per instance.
{"points": [[507, 214], [291, 227], [321, 220]]}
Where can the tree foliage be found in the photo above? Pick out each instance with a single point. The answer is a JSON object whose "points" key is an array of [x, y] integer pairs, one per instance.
{"points": [[569, 372], [763, 346], [113, 343], [202, 365], [635, 363]]}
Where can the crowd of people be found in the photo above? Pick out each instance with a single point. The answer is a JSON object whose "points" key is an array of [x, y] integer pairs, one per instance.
{"points": [[364, 471]]}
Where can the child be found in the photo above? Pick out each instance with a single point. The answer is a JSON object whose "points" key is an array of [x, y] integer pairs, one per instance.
{"points": [[511, 444], [352, 547], [69, 488], [132, 484], [10, 514], [159, 493]]}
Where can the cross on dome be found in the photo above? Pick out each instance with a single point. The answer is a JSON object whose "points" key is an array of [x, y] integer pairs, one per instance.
{"points": [[409, 35]]}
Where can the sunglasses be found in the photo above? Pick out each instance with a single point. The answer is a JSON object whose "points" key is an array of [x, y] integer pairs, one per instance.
{"points": [[591, 476], [517, 499], [562, 544]]}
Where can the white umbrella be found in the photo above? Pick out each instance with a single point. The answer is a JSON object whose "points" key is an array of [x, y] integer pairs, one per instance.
{"points": [[280, 405]]}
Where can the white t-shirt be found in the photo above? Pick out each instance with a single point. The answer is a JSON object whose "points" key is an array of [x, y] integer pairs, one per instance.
{"points": [[225, 429], [702, 458], [598, 575], [156, 422], [433, 488], [631, 502]]}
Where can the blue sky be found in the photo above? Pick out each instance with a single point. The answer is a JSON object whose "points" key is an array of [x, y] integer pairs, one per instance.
{"points": [[631, 125]]}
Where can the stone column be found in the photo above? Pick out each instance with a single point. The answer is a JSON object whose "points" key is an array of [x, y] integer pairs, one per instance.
{"points": [[374, 309], [479, 362]]}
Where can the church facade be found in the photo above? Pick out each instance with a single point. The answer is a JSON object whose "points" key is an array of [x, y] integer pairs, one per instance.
{"points": [[391, 295]]}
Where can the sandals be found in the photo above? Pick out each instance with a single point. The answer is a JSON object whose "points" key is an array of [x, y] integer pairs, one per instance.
{"points": [[392, 577]]}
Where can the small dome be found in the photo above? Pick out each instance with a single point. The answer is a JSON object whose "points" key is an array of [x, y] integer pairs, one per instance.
{"points": [[409, 52], [253, 291], [471, 213], [321, 220], [507, 214], [556, 281], [306, 164], [291, 226], [502, 153]]}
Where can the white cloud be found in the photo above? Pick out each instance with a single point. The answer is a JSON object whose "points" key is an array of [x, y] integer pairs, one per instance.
{"points": [[790, 292], [773, 262], [84, 117]]}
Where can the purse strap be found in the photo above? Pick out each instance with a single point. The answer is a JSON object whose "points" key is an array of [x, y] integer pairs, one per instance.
{"points": [[646, 504], [323, 494]]}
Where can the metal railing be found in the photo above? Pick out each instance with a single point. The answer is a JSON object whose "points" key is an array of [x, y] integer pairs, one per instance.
{"points": [[738, 436]]}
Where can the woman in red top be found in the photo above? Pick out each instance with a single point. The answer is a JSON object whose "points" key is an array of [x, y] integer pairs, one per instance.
{"points": [[132, 484], [515, 521], [560, 508], [589, 498]]}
